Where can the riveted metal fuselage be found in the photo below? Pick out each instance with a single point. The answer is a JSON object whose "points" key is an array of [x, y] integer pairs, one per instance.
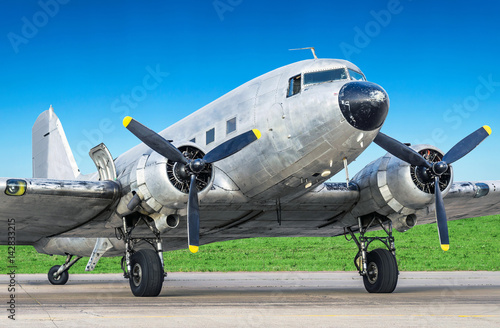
{"points": [[304, 136]]}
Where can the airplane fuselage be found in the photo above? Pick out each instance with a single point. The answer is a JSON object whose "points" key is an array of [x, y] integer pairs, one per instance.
{"points": [[313, 116], [305, 135]]}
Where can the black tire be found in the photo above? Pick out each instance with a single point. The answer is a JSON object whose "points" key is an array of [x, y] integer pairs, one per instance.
{"points": [[146, 276], [61, 280], [382, 275]]}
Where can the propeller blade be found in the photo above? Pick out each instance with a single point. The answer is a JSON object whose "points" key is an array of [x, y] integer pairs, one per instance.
{"points": [[467, 144], [193, 217], [165, 148], [442, 222], [154, 140], [232, 146], [410, 156], [400, 150]]}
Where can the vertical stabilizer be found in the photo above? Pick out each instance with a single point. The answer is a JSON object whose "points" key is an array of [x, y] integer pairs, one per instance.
{"points": [[52, 156]]}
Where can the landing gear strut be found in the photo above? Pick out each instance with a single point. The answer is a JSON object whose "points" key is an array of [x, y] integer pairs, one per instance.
{"points": [[378, 268], [143, 268], [58, 274]]}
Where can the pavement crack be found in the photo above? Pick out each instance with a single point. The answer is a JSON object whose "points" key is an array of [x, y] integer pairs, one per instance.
{"points": [[91, 313], [41, 306]]}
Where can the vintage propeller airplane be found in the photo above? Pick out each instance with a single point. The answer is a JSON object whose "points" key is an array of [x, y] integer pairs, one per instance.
{"points": [[253, 163]]}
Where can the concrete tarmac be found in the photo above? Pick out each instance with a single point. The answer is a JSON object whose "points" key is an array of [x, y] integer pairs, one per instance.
{"points": [[256, 299]]}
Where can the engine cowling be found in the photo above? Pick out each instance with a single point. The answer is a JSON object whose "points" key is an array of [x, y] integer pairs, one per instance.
{"points": [[396, 189], [163, 186]]}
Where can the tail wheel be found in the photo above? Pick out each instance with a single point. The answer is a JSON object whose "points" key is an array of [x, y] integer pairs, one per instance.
{"points": [[146, 276], [382, 272], [61, 280]]}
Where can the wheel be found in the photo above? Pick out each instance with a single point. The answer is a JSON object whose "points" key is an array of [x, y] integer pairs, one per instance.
{"points": [[146, 276], [382, 272], [61, 280]]}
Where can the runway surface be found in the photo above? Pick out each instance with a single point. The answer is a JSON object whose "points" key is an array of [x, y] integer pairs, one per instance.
{"points": [[257, 299]]}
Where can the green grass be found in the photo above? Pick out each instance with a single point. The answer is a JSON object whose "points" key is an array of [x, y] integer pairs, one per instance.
{"points": [[474, 246]]}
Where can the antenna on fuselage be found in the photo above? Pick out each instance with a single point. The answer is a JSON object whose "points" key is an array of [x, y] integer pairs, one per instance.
{"points": [[312, 49]]}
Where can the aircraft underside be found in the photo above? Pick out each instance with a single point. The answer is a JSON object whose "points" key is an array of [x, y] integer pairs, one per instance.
{"points": [[378, 267]]}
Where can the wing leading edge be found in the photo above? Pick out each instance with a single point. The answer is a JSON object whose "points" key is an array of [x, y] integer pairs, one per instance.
{"points": [[467, 200], [38, 208]]}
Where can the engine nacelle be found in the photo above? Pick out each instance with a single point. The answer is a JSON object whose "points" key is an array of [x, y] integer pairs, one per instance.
{"points": [[396, 189], [163, 187]]}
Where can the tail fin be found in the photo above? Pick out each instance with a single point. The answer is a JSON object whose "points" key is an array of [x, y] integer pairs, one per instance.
{"points": [[52, 156]]}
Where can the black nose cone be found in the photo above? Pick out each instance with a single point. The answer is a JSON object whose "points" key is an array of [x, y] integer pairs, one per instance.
{"points": [[364, 105]]}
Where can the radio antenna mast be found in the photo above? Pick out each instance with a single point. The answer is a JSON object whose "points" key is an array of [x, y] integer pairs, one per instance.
{"points": [[312, 49]]}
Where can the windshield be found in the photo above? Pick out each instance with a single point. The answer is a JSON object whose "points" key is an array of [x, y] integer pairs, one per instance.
{"points": [[325, 76], [356, 76]]}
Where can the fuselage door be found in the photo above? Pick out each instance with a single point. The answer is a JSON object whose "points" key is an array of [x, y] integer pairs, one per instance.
{"points": [[104, 162]]}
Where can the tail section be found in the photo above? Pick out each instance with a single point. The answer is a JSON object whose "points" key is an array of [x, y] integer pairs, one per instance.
{"points": [[52, 156]]}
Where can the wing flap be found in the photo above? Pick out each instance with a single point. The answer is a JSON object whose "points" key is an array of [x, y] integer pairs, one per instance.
{"points": [[51, 207]]}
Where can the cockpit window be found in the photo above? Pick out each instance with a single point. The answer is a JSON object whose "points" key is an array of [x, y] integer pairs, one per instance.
{"points": [[356, 76], [325, 76], [294, 85]]}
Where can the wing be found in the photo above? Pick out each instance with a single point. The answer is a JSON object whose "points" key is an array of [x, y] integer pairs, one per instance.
{"points": [[37, 208], [326, 211], [318, 212], [467, 200], [227, 215]]}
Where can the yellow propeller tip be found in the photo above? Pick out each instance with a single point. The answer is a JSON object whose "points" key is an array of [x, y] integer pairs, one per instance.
{"points": [[487, 128], [126, 121], [257, 133], [445, 247], [193, 249]]}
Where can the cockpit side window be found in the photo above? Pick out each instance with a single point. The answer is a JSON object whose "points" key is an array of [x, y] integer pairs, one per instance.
{"points": [[356, 76], [325, 76], [294, 85]]}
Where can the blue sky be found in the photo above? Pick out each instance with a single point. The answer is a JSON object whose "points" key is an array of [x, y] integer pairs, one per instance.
{"points": [[438, 61]]}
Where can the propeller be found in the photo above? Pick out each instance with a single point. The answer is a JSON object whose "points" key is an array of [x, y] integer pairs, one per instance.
{"points": [[192, 167], [435, 169]]}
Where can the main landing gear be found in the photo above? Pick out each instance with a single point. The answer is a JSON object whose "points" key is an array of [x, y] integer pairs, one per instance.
{"points": [[143, 268], [58, 274], [378, 267]]}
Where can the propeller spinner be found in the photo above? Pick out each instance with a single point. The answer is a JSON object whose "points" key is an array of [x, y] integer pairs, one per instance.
{"points": [[435, 169], [193, 167]]}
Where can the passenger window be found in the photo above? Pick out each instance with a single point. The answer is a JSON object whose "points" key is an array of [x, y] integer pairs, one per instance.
{"points": [[210, 136], [294, 85], [231, 125]]}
